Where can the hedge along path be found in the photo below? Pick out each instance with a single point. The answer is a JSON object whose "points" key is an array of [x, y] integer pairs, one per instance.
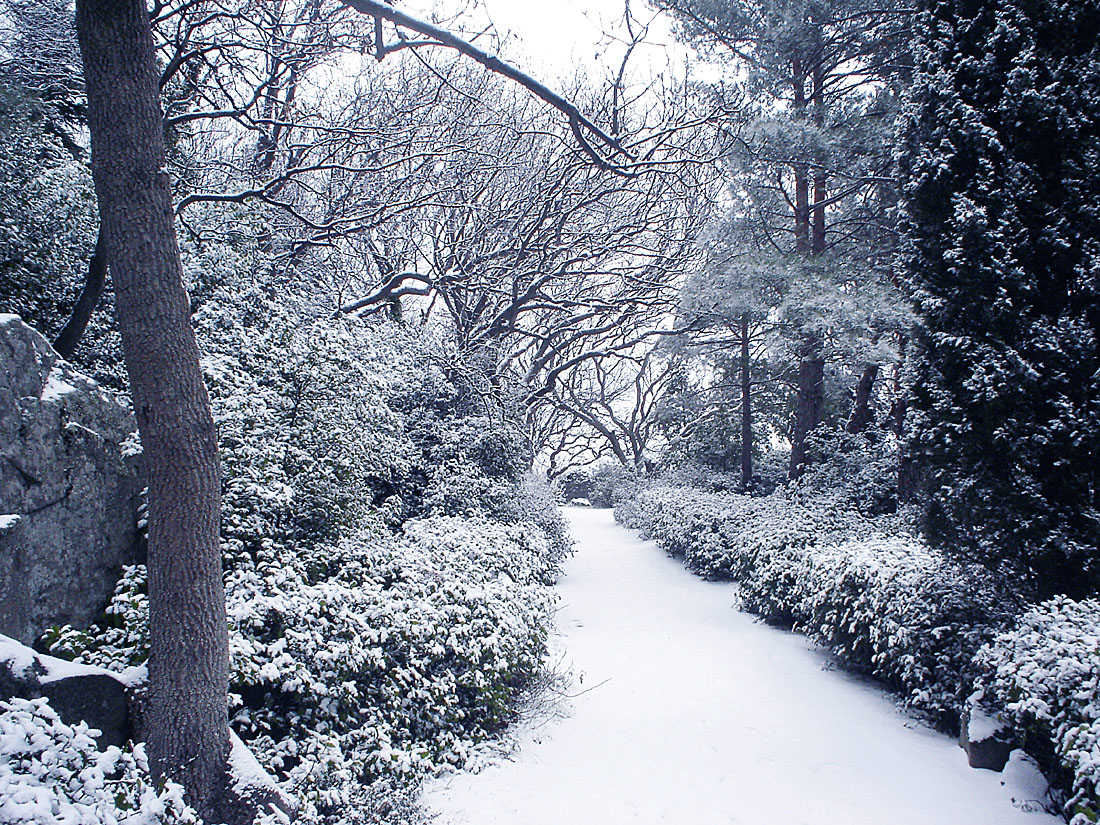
{"points": [[687, 711]]}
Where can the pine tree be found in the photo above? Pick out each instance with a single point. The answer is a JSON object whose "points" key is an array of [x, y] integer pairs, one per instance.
{"points": [[811, 170], [1003, 251]]}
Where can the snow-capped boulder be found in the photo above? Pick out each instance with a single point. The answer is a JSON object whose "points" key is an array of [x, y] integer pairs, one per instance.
{"points": [[69, 488], [77, 693], [987, 740], [1025, 782]]}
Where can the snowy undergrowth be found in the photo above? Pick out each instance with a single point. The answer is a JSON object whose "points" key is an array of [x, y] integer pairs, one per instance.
{"points": [[1045, 674], [387, 561], [398, 661], [52, 773]]}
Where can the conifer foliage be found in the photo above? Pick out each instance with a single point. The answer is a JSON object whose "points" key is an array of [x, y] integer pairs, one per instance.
{"points": [[1000, 161]]}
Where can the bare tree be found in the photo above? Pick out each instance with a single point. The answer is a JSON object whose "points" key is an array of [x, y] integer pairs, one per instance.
{"points": [[615, 402], [186, 722]]}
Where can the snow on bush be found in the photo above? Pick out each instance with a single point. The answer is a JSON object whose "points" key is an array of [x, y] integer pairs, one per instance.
{"points": [[1045, 674], [386, 559], [377, 657], [52, 773], [884, 602], [890, 605]]}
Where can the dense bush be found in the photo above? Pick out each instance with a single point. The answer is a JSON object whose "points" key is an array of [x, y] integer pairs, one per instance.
{"points": [[387, 559], [51, 772], [48, 231], [601, 486], [889, 605], [1045, 675], [878, 598], [369, 659], [999, 225], [858, 470]]}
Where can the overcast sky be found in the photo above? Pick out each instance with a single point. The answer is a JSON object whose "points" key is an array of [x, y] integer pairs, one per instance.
{"points": [[551, 37]]}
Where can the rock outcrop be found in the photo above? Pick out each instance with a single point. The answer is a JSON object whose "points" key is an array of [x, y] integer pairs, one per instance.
{"points": [[111, 704], [69, 488]]}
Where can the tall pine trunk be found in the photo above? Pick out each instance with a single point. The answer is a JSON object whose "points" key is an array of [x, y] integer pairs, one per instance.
{"points": [[186, 722], [810, 237], [746, 406], [801, 170], [861, 404], [809, 400]]}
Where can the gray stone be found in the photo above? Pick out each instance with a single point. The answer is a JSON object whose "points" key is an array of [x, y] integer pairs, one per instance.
{"points": [[988, 741], [95, 698], [77, 693], [112, 704], [65, 472]]}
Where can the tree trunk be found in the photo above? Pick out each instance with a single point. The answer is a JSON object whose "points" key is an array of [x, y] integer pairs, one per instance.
{"points": [[94, 281], [908, 468], [809, 399], [861, 404], [810, 395], [746, 406], [817, 241], [186, 719], [801, 171]]}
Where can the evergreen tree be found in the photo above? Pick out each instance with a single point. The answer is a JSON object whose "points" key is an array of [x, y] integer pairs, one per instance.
{"points": [[1003, 251], [811, 171]]}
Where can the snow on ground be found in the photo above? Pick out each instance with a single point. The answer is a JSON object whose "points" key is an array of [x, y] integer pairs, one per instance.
{"points": [[692, 713]]}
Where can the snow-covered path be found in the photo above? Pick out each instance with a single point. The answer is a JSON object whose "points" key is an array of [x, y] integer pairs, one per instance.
{"points": [[694, 714]]}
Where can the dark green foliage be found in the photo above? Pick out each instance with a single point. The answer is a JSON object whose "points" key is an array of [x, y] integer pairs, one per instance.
{"points": [[48, 229], [1003, 229]]}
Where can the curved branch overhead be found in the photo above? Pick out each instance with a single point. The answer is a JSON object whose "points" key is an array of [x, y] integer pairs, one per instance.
{"points": [[578, 122]]}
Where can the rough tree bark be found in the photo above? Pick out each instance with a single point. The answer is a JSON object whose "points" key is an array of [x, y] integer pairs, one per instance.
{"points": [[186, 719], [809, 399], [801, 170]]}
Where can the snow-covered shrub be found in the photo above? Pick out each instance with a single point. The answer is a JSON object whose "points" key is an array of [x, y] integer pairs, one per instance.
{"points": [[600, 486], [121, 638], [535, 502], [310, 444], [700, 477], [466, 466], [867, 589], [409, 653], [376, 657], [892, 607], [1045, 675], [52, 773], [386, 556], [48, 230]]}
